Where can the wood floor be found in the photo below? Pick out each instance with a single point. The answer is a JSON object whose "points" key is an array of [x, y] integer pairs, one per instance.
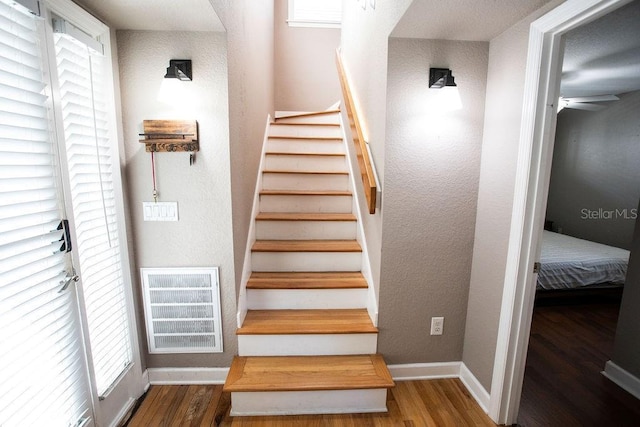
{"points": [[563, 386], [432, 403]]}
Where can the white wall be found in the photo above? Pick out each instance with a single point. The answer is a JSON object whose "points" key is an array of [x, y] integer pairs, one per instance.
{"points": [[432, 164], [503, 111], [364, 45], [595, 178], [250, 53], [203, 235], [306, 78]]}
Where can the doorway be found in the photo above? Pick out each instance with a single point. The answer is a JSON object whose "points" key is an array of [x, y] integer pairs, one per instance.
{"points": [[532, 181]]}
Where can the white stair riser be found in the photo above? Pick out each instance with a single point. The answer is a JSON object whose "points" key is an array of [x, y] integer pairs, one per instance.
{"points": [[301, 130], [305, 163], [321, 204], [306, 299], [275, 145], [306, 261], [305, 230], [306, 344], [308, 402], [320, 118], [295, 181]]}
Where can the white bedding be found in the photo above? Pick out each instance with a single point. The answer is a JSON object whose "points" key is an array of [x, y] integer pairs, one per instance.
{"points": [[568, 263]]}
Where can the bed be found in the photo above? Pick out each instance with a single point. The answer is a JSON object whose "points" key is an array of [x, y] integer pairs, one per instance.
{"points": [[571, 263]]}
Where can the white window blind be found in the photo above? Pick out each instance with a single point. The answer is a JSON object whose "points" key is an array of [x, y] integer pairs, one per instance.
{"points": [[43, 379], [315, 13], [81, 76]]}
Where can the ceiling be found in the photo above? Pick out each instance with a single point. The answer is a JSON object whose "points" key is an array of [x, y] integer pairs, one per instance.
{"points": [[470, 20], [603, 57], [158, 15]]}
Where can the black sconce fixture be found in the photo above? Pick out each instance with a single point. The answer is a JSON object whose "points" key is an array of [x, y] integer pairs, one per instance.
{"points": [[440, 77], [179, 69]]}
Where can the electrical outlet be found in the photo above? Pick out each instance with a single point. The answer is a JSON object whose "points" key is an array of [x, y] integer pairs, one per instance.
{"points": [[437, 325]]}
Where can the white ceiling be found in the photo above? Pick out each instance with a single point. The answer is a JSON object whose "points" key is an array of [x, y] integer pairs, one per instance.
{"points": [[158, 15], [470, 20], [603, 57]]}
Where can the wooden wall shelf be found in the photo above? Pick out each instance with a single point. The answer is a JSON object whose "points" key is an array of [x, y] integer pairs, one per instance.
{"points": [[170, 135]]}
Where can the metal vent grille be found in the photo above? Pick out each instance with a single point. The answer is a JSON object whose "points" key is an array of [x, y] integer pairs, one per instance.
{"points": [[182, 310]]}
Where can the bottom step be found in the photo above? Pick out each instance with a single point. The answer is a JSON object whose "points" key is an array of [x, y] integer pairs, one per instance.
{"points": [[279, 385]]}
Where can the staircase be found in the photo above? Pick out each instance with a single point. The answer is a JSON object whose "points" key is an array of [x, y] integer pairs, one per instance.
{"points": [[307, 344]]}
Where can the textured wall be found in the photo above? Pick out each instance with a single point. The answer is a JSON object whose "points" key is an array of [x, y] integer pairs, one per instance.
{"points": [[432, 163], [626, 348], [364, 45], [305, 67], [203, 235], [249, 25], [503, 111], [595, 178]]}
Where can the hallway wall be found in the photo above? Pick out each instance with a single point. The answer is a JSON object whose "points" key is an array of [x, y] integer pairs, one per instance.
{"points": [[306, 78]]}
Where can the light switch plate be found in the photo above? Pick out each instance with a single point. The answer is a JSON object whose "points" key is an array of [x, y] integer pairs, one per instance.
{"points": [[160, 211]]}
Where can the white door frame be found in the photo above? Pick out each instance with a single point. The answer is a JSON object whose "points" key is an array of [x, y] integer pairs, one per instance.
{"points": [[533, 170]]}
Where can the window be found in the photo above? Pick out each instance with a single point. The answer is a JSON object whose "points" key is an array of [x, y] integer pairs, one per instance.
{"points": [[315, 13], [86, 119]]}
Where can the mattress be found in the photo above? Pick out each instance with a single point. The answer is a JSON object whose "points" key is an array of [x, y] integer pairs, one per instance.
{"points": [[569, 263]]}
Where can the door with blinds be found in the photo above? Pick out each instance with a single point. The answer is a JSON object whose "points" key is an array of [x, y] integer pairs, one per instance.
{"points": [[44, 377], [59, 160]]}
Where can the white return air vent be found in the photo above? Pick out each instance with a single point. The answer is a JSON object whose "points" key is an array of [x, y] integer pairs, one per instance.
{"points": [[182, 310]]}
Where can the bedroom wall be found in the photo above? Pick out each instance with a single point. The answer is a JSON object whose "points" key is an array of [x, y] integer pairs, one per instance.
{"points": [[503, 111], [432, 165], [595, 178], [203, 234], [626, 349], [306, 78]]}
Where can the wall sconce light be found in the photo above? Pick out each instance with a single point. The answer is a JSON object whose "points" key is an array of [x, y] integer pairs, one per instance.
{"points": [[440, 77], [179, 69]]}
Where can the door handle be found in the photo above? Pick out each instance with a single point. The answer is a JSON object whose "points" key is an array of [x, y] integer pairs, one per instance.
{"points": [[69, 278]]}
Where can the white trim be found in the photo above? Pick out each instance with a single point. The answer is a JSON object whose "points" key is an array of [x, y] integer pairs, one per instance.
{"points": [[532, 174], [145, 380], [623, 378], [475, 388], [425, 371], [251, 238], [185, 376], [372, 299]]}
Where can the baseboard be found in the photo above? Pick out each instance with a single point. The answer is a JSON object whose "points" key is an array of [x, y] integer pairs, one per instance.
{"points": [[477, 391], [424, 371], [184, 376], [145, 381], [623, 378]]}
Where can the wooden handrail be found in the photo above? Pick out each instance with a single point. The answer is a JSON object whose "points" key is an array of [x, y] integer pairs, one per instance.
{"points": [[362, 153]]}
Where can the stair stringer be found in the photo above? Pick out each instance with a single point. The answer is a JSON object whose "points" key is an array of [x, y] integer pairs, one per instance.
{"points": [[372, 299], [247, 267]]}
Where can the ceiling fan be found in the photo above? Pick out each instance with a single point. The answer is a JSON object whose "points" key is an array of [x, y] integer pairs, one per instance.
{"points": [[588, 103]]}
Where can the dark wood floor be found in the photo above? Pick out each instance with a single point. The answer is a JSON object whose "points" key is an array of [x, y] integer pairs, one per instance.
{"points": [[563, 386], [432, 403]]}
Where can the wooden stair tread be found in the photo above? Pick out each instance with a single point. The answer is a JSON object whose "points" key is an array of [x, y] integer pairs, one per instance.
{"points": [[305, 193], [307, 114], [305, 138], [304, 172], [306, 280], [326, 321], [306, 246], [304, 216], [301, 153], [302, 123], [307, 373]]}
